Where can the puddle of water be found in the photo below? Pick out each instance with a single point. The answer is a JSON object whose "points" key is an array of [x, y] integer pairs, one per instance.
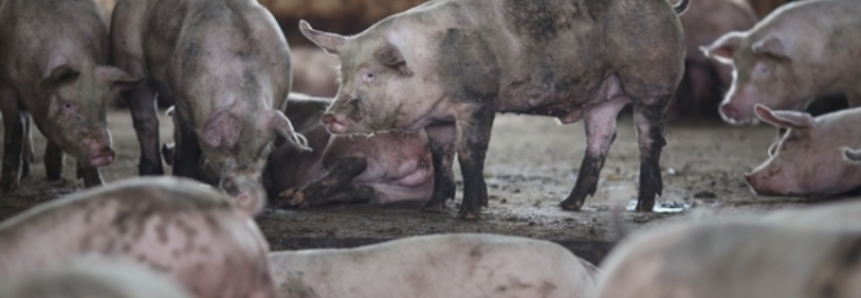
{"points": [[663, 206]]}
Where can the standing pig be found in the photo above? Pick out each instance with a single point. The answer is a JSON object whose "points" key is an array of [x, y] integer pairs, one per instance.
{"points": [[53, 57], [452, 265], [174, 225], [448, 67], [705, 79], [805, 161], [800, 51], [91, 277], [226, 66], [383, 168]]}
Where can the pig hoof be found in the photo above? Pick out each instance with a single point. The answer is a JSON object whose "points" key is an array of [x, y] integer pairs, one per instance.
{"points": [[571, 205], [436, 207], [8, 186], [469, 215]]}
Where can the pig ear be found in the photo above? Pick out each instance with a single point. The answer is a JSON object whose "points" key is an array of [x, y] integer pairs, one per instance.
{"points": [[329, 42], [119, 79], [391, 56], [723, 48], [282, 125], [788, 119], [60, 75], [771, 46], [222, 130]]}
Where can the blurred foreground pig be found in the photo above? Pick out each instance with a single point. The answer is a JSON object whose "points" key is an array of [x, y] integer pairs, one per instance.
{"points": [[383, 168], [738, 258], [799, 52], [53, 57], [806, 160], [449, 265], [226, 66], [706, 79], [178, 226], [449, 66], [91, 277]]}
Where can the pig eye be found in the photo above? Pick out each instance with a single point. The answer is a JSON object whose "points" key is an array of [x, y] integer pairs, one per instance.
{"points": [[354, 103], [69, 106], [762, 70], [368, 77]]}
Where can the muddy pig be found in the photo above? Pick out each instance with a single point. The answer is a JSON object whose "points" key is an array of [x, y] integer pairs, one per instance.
{"points": [[314, 72], [800, 51], [449, 66], [175, 225], [95, 277], [53, 67], [226, 66], [447, 265], [806, 161], [736, 258], [706, 79], [383, 168]]}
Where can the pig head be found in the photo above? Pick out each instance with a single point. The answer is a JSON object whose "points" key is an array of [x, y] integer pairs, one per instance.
{"points": [[805, 161]]}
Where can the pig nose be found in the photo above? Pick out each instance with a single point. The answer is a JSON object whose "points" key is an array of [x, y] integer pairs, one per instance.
{"points": [[729, 111], [102, 156], [328, 119], [751, 180], [333, 124]]}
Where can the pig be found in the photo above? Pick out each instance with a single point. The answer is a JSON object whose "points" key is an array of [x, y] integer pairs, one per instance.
{"points": [[178, 226], [315, 73], [449, 66], [442, 265], [387, 167], [805, 161], [226, 67], [705, 79], [738, 257], [54, 68], [94, 277], [764, 7], [801, 51]]}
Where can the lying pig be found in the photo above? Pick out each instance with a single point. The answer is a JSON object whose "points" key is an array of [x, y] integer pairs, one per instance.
{"points": [[805, 161], [800, 51], [448, 66], [449, 265], [226, 66], [734, 259], [174, 225], [706, 79], [383, 168], [53, 58], [95, 278]]}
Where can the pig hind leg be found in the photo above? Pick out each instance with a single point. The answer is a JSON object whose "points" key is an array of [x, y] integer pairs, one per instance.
{"points": [[13, 140], [141, 101], [187, 153], [473, 139], [27, 154], [600, 126], [649, 121], [441, 139], [340, 177]]}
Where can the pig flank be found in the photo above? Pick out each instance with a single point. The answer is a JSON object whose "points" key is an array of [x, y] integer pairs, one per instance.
{"points": [[805, 161], [52, 67], [799, 52], [174, 225], [225, 65], [449, 66]]}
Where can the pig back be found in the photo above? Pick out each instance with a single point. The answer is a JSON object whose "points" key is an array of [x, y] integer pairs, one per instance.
{"points": [[173, 225]]}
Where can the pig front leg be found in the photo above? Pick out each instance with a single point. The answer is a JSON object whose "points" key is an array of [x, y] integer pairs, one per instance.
{"points": [[187, 153], [13, 143], [600, 126], [53, 161], [649, 120], [91, 176], [442, 139], [141, 101], [341, 174], [473, 139]]}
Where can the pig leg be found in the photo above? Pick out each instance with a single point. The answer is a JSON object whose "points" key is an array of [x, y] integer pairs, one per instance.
{"points": [[600, 133], [13, 141], [53, 161], [649, 120], [349, 195], [90, 175], [142, 103], [187, 153], [442, 139], [341, 174], [27, 154], [473, 140]]}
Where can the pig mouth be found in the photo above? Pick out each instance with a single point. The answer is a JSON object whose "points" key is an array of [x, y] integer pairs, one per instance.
{"points": [[102, 158]]}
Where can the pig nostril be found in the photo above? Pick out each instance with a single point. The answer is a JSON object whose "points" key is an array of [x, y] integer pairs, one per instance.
{"points": [[729, 111], [327, 119], [749, 178]]}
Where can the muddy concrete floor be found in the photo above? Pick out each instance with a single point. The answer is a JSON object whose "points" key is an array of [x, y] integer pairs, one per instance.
{"points": [[531, 166]]}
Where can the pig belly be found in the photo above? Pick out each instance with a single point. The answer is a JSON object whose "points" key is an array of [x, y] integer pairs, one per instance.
{"points": [[415, 186]]}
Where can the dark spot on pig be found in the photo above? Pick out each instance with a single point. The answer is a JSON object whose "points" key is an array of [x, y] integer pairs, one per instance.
{"points": [[204, 250], [468, 66], [199, 267], [127, 247], [297, 288], [539, 20], [142, 258], [176, 253], [161, 230], [501, 289], [212, 223]]}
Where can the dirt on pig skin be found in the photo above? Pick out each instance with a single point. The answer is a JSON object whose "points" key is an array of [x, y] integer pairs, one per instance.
{"points": [[531, 166]]}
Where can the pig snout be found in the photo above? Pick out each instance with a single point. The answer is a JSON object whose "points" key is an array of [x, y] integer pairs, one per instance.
{"points": [[247, 192], [730, 112], [101, 156], [333, 123]]}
